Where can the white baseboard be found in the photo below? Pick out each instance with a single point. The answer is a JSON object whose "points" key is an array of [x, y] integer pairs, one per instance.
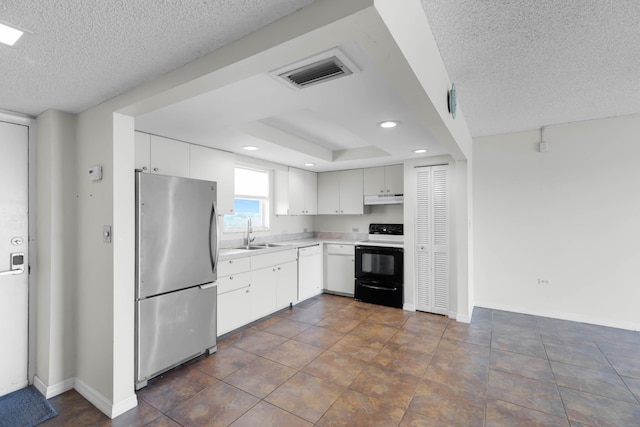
{"points": [[409, 307], [49, 391], [594, 320], [103, 404], [464, 318]]}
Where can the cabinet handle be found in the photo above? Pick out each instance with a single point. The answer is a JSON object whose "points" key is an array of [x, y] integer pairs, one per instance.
{"points": [[278, 268], [382, 191], [387, 191], [341, 211], [144, 168], [230, 277], [336, 211], [230, 261], [247, 291], [155, 169]]}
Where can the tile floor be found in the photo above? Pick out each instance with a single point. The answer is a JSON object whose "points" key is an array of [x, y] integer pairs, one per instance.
{"points": [[331, 361]]}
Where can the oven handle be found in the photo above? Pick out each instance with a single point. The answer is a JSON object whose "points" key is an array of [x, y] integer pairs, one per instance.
{"points": [[379, 288]]}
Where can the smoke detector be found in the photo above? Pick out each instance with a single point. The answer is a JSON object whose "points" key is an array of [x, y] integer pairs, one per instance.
{"points": [[317, 69]]}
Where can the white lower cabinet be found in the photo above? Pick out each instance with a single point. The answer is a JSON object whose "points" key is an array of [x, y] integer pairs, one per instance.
{"points": [[309, 271], [253, 287], [340, 277]]}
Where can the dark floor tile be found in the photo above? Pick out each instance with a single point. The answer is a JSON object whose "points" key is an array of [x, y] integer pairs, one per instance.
{"points": [[219, 405], [515, 319], [481, 313], [74, 410], [568, 339], [259, 343], [415, 419], [360, 348], [175, 387], [462, 332], [374, 331], [463, 351], [335, 367], [389, 386], [355, 311], [594, 410], [515, 344], [548, 324], [621, 348], [224, 362], [504, 329], [603, 334], [141, 415], [400, 359], [426, 325], [519, 364], [260, 377], [306, 396], [500, 414], [340, 323], [441, 404], [626, 366], [424, 343], [294, 354], [320, 337], [311, 315], [287, 328], [460, 373], [585, 356], [267, 415], [392, 317], [163, 421], [634, 386], [532, 394], [592, 381], [357, 409]]}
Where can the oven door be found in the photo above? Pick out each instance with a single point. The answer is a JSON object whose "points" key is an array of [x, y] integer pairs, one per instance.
{"points": [[387, 294], [379, 264]]}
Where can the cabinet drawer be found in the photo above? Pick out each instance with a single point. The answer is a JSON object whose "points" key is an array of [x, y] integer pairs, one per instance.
{"points": [[333, 249], [309, 250], [274, 258], [233, 266], [233, 282]]}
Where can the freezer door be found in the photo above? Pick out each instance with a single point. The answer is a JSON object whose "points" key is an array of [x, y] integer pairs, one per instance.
{"points": [[176, 235], [173, 328]]}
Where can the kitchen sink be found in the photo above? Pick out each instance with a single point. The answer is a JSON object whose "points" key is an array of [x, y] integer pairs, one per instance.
{"points": [[251, 247]]}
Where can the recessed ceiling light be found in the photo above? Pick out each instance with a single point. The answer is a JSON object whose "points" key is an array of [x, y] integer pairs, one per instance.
{"points": [[250, 148], [420, 150], [9, 35], [309, 164], [388, 124]]}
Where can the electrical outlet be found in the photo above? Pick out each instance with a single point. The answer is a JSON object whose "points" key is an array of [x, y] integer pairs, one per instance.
{"points": [[542, 281], [355, 229]]}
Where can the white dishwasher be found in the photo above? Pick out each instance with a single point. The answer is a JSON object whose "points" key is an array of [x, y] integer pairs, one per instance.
{"points": [[340, 269], [309, 271]]}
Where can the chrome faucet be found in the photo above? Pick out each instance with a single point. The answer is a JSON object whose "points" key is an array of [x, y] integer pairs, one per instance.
{"points": [[247, 238]]}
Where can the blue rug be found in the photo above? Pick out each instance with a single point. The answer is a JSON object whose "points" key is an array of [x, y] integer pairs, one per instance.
{"points": [[24, 408]]}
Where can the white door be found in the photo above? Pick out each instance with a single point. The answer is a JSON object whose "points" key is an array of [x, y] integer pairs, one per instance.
{"points": [[432, 239], [14, 228]]}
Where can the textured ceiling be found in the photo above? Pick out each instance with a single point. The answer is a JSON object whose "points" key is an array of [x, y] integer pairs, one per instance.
{"points": [[517, 64], [83, 52], [520, 65]]}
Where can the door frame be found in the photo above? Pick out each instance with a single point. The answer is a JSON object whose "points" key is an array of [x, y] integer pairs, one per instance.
{"points": [[30, 122]]}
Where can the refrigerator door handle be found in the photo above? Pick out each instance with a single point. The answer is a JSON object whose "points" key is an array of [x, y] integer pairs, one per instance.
{"points": [[214, 243], [208, 285]]}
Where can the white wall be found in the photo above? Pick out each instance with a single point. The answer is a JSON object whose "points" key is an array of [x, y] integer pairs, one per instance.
{"points": [[569, 215], [55, 269], [390, 214]]}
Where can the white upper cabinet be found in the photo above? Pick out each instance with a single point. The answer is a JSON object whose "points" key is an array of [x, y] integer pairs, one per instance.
{"points": [[164, 156], [296, 192], [215, 165], [384, 180], [340, 193]]}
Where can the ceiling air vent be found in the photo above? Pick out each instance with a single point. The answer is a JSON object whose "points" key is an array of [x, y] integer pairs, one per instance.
{"points": [[317, 69]]}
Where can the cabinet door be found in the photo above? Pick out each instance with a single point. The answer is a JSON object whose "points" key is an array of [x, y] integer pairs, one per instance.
{"points": [[287, 289], [296, 191], [143, 151], [351, 197], [311, 193], [309, 274], [341, 274], [169, 157], [394, 179], [373, 181], [233, 310], [263, 291], [329, 193], [215, 165]]}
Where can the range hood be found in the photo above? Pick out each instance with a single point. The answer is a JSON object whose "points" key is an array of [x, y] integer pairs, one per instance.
{"points": [[384, 199]]}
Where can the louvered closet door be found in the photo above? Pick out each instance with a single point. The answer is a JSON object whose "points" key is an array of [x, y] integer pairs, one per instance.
{"points": [[432, 239]]}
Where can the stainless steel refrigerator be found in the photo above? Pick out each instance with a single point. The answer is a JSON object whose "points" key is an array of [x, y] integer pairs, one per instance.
{"points": [[177, 256]]}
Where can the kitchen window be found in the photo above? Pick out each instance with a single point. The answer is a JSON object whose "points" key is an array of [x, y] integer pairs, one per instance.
{"points": [[251, 200]]}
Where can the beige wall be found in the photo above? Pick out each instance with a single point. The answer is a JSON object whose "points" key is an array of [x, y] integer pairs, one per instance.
{"points": [[569, 215]]}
